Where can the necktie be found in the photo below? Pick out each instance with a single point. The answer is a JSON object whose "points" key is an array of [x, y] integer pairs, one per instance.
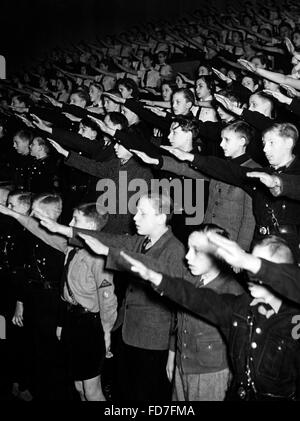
{"points": [[199, 283], [65, 280], [144, 247], [145, 78]]}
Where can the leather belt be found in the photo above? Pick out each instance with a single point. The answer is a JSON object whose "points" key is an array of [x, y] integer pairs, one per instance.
{"points": [[78, 309]]}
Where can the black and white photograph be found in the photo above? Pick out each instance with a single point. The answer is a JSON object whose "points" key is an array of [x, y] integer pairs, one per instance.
{"points": [[149, 203]]}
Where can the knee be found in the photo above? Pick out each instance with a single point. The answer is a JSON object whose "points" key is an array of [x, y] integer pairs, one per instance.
{"points": [[93, 392]]}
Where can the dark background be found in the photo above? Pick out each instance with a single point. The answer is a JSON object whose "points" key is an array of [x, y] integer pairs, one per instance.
{"points": [[29, 27]]}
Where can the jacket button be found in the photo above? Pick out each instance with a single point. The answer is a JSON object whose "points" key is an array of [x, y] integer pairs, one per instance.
{"points": [[253, 345], [235, 323], [184, 345], [258, 330], [185, 331]]}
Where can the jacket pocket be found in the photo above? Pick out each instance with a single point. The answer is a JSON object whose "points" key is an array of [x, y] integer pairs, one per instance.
{"points": [[210, 353], [276, 359]]}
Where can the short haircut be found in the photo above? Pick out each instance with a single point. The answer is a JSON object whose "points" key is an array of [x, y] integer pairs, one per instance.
{"points": [[162, 203], [231, 95], [254, 78], [263, 98], [148, 55], [263, 59], [51, 199], [87, 122], [25, 198], [213, 228], [97, 86], [243, 129], [83, 95], [22, 99], [130, 85], [44, 143], [24, 135], [277, 247], [187, 93], [95, 213], [187, 125], [285, 130], [118, 118]]}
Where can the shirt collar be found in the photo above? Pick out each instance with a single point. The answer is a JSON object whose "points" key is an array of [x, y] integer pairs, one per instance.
{"points": [[241, 159]]}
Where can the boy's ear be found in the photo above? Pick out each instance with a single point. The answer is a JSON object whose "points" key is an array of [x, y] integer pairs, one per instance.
{"points": [[243, 139]]}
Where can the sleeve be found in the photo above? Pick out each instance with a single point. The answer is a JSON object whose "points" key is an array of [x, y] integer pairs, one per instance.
{"points": [[283, 278], [107, 299], [74, 110], [162, 123], [127, 242], [295, 106], [257, 120], [213, 307], [181, 168], [75, 141], [247, 224], [89, 166], [290, 186], [171, 264], [56, 241], [242, 92], [226, 171]]}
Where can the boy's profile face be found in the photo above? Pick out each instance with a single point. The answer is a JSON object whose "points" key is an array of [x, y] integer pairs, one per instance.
{"points": [[198, 259], [180, 105], [146, 218], [177, 137], [79, 220], [232, 144], [21, 146], [257, 104], [35, 148]]}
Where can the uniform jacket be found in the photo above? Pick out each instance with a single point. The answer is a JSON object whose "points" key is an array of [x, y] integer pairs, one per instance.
{"points": [[275, 355], [148, 319]]}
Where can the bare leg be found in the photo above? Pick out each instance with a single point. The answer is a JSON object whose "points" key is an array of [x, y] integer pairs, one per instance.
{"points": [[93, 389]]}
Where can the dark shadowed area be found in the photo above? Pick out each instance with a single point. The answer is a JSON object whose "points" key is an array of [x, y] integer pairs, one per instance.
{"points": [[29, 27]]}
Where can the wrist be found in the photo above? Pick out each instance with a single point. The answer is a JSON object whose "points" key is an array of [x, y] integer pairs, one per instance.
{"points": [[189, 157], [251, 263], [156, 278]]}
